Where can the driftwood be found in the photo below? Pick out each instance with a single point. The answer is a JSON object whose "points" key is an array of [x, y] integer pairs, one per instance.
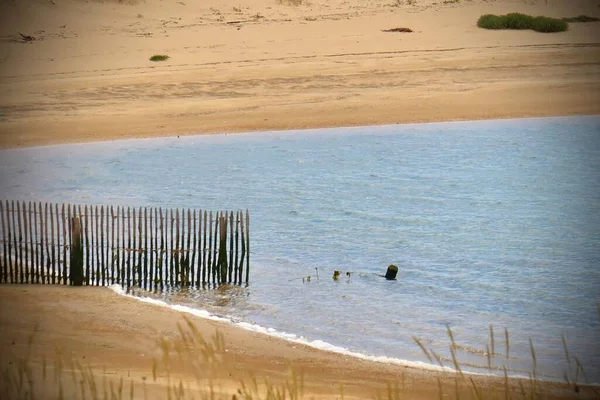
{"points": [[27, 38], [407, 30]]}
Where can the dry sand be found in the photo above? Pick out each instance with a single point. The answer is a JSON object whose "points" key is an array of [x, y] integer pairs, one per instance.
{"points": [[263, 65], [258, 65]]}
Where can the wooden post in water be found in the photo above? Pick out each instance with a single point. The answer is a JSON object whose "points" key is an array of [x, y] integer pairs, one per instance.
{"points": [[76, 274]]}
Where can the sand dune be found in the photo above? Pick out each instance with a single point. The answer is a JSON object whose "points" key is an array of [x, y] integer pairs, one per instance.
{"points": [[263, 64]]}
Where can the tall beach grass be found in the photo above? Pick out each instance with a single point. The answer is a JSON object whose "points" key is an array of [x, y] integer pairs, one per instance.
{"points": [[66, 378]]}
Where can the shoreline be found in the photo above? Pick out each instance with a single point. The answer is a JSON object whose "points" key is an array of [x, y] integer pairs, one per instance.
{"points": [[290, 131], [124, 337]]}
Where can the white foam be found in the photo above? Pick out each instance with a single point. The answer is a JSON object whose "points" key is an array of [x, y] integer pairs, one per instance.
{"points": [[317, 344]]}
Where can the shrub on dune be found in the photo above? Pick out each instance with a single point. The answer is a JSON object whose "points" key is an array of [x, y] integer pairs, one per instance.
{"points": [[522, 21]]}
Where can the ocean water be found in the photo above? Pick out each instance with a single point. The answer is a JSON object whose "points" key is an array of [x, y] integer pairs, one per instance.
{"points": [[491, 223]]}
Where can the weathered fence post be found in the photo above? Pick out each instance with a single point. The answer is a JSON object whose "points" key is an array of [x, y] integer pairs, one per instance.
{"points": [[76, 272]]}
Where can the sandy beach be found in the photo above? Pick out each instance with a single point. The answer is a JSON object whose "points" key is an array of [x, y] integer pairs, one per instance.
{"points": [[110, 337], [249, 66], [269, 65]]}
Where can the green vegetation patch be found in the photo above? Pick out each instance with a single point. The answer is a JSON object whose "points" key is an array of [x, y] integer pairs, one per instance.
{"points": [[159, 57], [522, 21], [581, 18]]}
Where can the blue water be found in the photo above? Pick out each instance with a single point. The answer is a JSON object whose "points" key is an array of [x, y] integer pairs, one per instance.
{"points": [[491, 223]]}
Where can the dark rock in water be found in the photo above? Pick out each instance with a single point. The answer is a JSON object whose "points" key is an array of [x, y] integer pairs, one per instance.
{"points": [[336, 275], [391, 273]]}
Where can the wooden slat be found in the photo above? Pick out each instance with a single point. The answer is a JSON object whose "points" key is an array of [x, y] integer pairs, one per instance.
{"points": [[44, 243], [96, 246], [223, 248], [204, 249], [116, 248], [188, 272], [25, 243], [112, 245], [243, 243], [210, 241], [238, 271], [129, 277], [231, 272], [64, 246], [135, 249], [153, 233], [5, 241], [101, 259], [52, 246], [162, 249], [107, 249], [177, 249], [86, 218], [81, 218], [247, 246], [11, 240], [123, 249], [199, 250], [146, 282], [193, 268], [134, 252], [36, 242], [56, 243], [171, 220], [70, 238], [215, 271], [19, 244], [30, 223]]}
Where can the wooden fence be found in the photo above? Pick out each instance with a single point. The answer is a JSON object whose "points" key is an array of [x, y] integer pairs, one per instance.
{"points": [[152, 248]]}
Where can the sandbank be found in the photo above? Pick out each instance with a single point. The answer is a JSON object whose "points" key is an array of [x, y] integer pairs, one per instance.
{"points": [[270, 65]]}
